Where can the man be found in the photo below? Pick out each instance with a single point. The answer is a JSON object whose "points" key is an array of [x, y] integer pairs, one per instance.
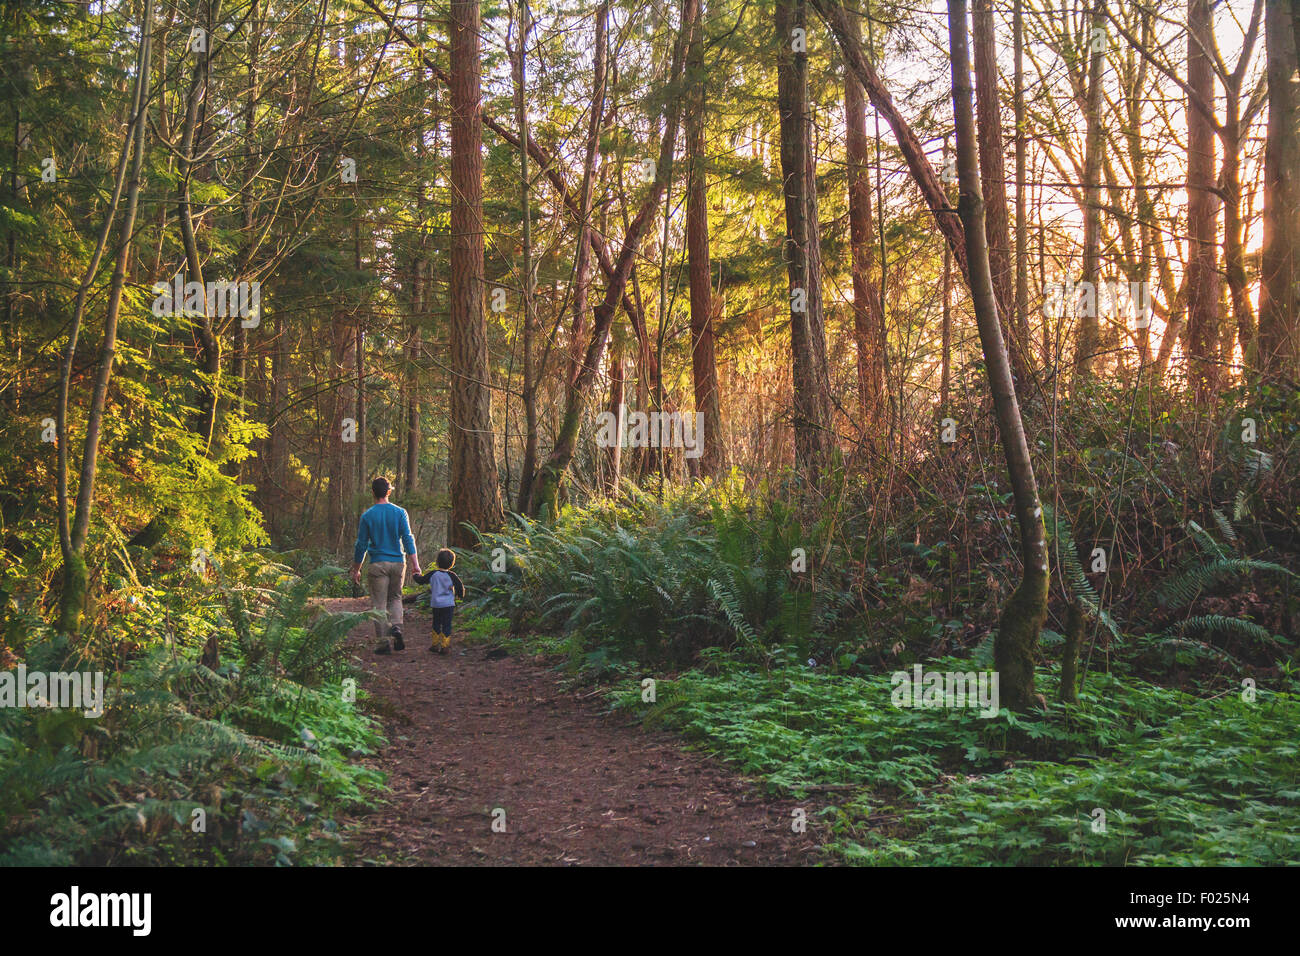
{"points": [[385, 532]]}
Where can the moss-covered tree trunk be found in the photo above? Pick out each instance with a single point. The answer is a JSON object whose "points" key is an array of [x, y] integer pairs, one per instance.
{"points": [[1074, 621], [1017, 639]]}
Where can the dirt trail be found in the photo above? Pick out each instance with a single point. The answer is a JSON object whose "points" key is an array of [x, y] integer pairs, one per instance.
{"points": [[469, 733]]}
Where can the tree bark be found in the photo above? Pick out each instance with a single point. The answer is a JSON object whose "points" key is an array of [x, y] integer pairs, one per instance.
{"points": [[812, 409], [528, 468], [473, 469], [1021, 320], [1278, 345], [1202, 211], [1023, 616], [206, 425], [1089, 331], [993, 176], [868, 310], [704, 369], [617, 397]]}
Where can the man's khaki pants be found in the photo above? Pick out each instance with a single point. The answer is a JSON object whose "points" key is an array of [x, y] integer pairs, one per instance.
{"points": [[385, 579]]}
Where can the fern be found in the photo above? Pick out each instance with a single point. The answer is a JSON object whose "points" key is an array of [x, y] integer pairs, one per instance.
{"points": [[727, 600], [1073, 574], [1182, 590], [1219, 624], [1225, 526], [1255, 466], [1204, 540]]}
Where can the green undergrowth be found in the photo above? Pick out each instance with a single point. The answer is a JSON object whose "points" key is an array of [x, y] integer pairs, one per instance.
{"points": [[249, 762], [1179, 780], [1170, 756], [796, 727]]}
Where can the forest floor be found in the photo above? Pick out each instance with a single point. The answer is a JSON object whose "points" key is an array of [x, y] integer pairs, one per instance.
{"points": [[478, 730]]}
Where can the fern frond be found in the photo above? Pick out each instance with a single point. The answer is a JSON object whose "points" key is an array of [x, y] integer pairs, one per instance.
{"points": [[1186, 587], [1219, 624], [1225, 526], [1204, 540], [727, 600]]}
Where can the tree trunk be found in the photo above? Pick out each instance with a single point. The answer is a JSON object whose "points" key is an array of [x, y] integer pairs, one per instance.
{"points": [[473, 469], [240, 364], [868, 310], [528, 468], [420, 286], [275, 497], [360, 411], [1278, 345], [582, 262], [1021, 320], [617, 398], [993, 177], [73, 537], [1234, 253], [1023, 616], [206, 424], [945, 332], [1089, 331], [1202, 211], [703, 362], [812, 409]]}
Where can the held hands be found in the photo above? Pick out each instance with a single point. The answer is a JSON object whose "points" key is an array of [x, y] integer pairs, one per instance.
{"points": [[356, 576]]}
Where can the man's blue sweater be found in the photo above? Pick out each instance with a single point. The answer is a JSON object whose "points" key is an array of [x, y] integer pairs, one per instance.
{"points": [[383, 531]]}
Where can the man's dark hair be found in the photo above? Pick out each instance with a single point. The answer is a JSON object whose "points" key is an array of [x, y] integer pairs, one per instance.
{"points": [[446, 558], [380, 487]]}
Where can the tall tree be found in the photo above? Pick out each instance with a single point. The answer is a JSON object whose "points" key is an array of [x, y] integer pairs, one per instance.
{"points": [[1232, 131], [1278, 348], [1021, 320], [192, 148], [1089, 331], [812, 406], [868, 309], [993, 176], [1202, 208], [1022, 617], [704, 370], [519, 71], [473, 468], [73, 532], [582, 209]]}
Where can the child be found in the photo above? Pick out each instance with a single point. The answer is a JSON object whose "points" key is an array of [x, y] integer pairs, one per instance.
{"points": [[444, 590]]}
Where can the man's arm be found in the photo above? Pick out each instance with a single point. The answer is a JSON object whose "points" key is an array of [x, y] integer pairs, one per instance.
{"points": [[408, 541], [359, 549]]}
